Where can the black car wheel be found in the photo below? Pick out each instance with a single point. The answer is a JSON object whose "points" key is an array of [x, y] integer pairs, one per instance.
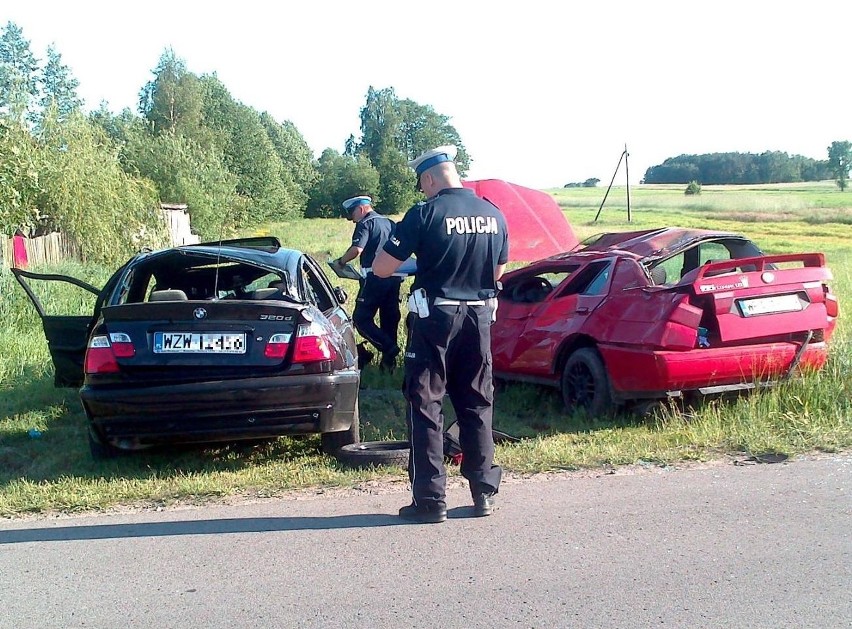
{"points": [[375, 453], [585, 383], [333, 441]]}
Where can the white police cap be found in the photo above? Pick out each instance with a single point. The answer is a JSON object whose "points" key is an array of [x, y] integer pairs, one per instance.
{"points": [[433, 157], [354, 202]]}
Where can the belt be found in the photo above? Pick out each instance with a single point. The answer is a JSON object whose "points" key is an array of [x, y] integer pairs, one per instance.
{"points": [[442, 301]]}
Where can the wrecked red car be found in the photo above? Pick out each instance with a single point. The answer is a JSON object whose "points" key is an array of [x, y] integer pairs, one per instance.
{"points": [[639, 316]]}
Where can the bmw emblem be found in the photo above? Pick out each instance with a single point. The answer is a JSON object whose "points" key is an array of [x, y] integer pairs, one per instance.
{"points": [[200, 313]]}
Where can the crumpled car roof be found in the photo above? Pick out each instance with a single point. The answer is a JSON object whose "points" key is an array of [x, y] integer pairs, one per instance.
{"points": [[654, 243]]}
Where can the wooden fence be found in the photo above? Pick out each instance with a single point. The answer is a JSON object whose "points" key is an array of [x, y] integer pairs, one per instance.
{"points": [[48, 249], [57, 246]]}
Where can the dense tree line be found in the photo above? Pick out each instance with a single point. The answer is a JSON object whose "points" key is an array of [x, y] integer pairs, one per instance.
{"points": [[101, 176], [739, 168]]}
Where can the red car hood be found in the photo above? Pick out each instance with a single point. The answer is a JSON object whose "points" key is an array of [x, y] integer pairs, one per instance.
{"points": [[537, 227]]}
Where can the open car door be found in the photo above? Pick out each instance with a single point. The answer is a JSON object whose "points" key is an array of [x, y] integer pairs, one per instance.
{"points": [[67, 335]]}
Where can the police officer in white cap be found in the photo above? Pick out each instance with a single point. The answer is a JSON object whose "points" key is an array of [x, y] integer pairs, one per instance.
{"points": [[461, 246], [376, 294]]}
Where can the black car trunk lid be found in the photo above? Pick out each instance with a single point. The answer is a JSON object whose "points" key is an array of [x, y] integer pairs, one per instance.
{"points": [[171, 336]]}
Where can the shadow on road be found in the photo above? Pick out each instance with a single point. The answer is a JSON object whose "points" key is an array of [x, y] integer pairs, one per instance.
{"points": [[196, 527], [210, 527]]}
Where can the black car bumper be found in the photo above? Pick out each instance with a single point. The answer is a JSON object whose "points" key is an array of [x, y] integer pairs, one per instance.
{"points": [[222, 410]]}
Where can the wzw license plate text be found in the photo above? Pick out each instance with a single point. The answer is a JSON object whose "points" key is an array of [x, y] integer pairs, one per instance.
{"points": [[194, 342]]}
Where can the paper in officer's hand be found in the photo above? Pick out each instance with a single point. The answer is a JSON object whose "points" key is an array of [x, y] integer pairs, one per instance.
{"points": [[345, 271]]}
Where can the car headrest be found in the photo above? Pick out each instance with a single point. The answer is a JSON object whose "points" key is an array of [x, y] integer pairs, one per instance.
{"points": [[658, 275], [167, 295], [263, 293]]}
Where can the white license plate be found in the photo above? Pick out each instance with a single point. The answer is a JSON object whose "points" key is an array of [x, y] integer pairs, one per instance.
{"points": [[770, 305], [199, 343]]}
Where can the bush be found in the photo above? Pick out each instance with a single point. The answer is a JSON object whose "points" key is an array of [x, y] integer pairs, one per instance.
{"points": [[693, 188]]}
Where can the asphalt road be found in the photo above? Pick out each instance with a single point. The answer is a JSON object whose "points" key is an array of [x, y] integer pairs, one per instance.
{"points": [[716, 545]]}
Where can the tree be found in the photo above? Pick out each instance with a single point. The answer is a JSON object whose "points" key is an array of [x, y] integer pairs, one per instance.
{"points": [[351, 146], [341, 177], [737, 168], [422, 128], [380, 123], [298, 172], [172, 101], [840, 162], [185, 173], [117, 127], [395, 131], [18, 67], [19, 181], [58, 88], [397, 182], [248, 153]]}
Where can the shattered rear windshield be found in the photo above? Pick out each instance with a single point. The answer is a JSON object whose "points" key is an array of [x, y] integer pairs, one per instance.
{"points": [[186, 276]]}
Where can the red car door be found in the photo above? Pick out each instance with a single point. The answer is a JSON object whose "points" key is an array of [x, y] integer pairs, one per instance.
{"points": [[532, 326]]}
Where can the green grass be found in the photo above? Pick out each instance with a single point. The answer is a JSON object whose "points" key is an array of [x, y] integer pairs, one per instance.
{"points": [[54, 471]]}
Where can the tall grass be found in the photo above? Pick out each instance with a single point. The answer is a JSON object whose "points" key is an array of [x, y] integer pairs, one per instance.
{"points": [[44, 459]]}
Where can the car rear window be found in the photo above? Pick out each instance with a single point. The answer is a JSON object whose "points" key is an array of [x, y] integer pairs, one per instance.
{"points": [[179, 277]]}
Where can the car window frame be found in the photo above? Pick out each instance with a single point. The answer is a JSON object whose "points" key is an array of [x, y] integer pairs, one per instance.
{"points": [[309, 268]]}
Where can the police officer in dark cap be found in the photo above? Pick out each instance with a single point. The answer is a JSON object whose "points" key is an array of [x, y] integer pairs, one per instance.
{"points": [[461, 246], [376, 294]]}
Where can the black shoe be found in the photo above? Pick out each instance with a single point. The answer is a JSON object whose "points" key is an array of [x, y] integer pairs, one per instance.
{"points": [[388, 362], [431, 513], [483, 504], [365, 356]]}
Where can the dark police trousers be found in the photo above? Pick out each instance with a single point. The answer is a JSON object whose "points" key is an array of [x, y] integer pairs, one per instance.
{"points": [[450, 351], [378, 295]]}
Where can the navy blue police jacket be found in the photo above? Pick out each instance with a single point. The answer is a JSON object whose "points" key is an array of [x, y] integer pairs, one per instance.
{"points": [[458, 240], [370, 234]]}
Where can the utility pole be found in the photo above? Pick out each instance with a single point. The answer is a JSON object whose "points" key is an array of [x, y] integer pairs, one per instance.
{"points": [[623, 158]]}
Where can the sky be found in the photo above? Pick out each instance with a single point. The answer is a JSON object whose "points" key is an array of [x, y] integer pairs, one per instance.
{"points": [[542, 93]]}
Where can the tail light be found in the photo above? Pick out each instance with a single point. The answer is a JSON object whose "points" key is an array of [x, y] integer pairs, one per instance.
{"points": [[122, 346], [312, 344], [832, 308], [103, 350], [277, 346]]}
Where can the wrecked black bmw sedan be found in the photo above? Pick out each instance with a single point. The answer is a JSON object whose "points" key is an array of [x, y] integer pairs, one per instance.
{"points": [[239, 339]]}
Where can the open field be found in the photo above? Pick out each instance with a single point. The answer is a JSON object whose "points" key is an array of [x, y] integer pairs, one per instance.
{"points": [[53, 470]]}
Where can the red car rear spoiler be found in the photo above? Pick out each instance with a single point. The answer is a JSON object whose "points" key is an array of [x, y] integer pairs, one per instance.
{"points": [[733, 274]]}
